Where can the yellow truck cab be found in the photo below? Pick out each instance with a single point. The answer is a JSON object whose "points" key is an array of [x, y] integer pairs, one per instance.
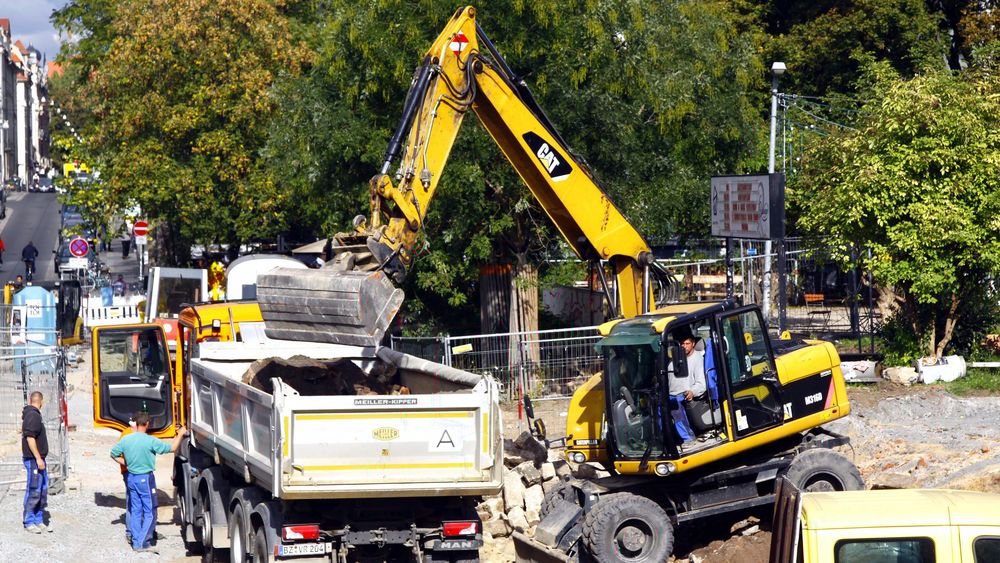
{"points": [[134, 370], [896, 525]]}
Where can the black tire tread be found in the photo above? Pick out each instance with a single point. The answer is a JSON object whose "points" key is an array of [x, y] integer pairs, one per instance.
{"points": [[562, 491], [237, 525], [817, 461], [260, 551], [603, 516]]}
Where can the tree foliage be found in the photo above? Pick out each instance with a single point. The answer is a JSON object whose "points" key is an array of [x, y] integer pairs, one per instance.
{"points": [[916, 183], [179, 94]]}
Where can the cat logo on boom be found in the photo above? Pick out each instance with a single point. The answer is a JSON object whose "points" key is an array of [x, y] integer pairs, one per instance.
{"points": [[554, 163]]}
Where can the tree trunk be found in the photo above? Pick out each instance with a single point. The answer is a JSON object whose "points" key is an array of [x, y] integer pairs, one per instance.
{"points": [[523, 349], [949, 326]]}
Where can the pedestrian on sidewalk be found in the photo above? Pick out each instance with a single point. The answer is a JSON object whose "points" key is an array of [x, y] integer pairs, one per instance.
{"points": [[34, 449], [137, 452]]}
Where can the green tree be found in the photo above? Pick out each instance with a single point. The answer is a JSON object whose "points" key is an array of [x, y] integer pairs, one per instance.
{"points": [[916, 184], [823, 42], [179, 99], [656, 96]]}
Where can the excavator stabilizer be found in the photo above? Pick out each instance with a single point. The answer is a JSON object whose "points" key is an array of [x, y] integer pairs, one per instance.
{"points": [[351, 307]]}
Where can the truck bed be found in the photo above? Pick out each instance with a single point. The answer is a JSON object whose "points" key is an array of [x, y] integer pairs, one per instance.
{"points": [[443, 438]]}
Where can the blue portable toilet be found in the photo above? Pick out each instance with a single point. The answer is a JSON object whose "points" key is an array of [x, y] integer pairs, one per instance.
{"points": [[33, 333], [37, 307]]}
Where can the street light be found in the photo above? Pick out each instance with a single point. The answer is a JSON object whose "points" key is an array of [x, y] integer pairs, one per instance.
{"points": [[777, 69]]}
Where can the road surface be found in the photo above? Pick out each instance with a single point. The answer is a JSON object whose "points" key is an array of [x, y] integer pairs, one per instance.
{"points": [[30, 217]]}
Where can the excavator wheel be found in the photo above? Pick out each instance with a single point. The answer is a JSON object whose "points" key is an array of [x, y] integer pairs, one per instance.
{"points": [[630, 528], [822, 469]]}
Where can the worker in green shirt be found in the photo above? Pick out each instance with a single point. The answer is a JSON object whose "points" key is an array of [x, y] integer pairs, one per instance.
{"points": [[137, 452]]}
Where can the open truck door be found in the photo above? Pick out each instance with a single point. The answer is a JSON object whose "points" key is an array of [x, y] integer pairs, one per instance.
{"points": [[132, 373]]}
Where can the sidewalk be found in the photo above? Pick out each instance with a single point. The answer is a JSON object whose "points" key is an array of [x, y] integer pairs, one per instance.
{"points": [[127, 267]]}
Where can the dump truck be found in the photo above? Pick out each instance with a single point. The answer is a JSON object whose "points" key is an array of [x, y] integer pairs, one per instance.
{"points": [[309, 451]]}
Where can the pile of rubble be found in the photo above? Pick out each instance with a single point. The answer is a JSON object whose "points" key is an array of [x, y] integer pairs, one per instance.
{"points": [[530, 471]]}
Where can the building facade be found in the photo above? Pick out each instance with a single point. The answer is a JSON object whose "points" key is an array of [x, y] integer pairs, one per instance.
{"points": [[24, 103]]}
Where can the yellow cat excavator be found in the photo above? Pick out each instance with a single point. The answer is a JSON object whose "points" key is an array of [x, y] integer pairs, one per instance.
{"points": [[755, 407]]}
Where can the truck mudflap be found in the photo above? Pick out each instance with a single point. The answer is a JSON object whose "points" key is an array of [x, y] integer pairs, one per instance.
{"points": [[530, 550]]}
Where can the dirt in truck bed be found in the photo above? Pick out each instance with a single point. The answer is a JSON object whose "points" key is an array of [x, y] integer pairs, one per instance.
{"points": [[312, 377]]}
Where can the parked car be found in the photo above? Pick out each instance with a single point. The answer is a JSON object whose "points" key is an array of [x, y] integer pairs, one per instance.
{"points": [[45, 185]]}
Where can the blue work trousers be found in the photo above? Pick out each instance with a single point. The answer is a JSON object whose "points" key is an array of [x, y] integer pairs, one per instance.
{"points": [[679, 415], [141, 504], [128, 511], [36, 493]]}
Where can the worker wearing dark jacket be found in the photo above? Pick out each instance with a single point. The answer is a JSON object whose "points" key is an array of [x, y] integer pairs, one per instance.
{"points": [[34, 449]]}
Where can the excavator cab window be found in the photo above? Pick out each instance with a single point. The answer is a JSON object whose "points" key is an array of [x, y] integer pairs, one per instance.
{"points": [[751, 373], [635, 412]]}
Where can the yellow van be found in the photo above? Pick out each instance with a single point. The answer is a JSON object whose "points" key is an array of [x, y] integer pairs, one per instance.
{"points": [[885, 526]]}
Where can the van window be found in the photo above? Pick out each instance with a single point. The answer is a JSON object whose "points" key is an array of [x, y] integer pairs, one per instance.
{"points": [[888, 550], [987, 549]]}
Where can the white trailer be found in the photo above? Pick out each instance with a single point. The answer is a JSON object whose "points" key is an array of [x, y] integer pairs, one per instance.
{"points": [[284, 475]]}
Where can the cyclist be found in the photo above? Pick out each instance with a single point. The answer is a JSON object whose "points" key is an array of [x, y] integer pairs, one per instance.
{"points": [[28, 255]]}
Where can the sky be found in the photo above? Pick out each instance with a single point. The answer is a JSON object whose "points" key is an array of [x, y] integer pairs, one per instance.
{"points": [[29, 22]]}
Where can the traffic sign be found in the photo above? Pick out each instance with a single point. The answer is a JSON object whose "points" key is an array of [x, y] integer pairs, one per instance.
{"points": [[79, 247], [458, 43], [140, 241], [140, 228]]}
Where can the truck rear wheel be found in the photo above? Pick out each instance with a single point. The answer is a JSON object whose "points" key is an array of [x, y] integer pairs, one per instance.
{"points": [[628, 527], [262, 552], [822, 469], [209, 554], [238, 533]]}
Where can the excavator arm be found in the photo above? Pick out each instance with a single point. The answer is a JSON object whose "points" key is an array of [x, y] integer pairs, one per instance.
{"points": [[454, 76]]}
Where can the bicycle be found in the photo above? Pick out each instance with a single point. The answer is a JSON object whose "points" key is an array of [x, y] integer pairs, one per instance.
{"points": [[29, 269]]}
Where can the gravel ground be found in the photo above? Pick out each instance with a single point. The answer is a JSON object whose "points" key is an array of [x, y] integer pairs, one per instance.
{"points": [[87, 519]]}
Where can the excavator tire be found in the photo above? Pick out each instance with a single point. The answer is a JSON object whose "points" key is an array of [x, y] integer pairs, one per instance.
{"points": [[822, 469], [628, 527], [562, 491]]}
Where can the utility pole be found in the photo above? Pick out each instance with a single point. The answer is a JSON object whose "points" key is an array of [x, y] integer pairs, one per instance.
{"points": [[777, 69]]}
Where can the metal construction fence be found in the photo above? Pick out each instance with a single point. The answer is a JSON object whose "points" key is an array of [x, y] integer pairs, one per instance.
{"points": [[546, 364], [821, 298], [27, 364]]}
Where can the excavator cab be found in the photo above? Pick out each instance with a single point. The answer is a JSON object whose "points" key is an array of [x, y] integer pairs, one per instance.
{"points": [[733, 375]]}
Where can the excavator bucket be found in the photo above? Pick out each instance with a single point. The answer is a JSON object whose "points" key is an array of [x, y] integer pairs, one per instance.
{"points": [[350, 307]]}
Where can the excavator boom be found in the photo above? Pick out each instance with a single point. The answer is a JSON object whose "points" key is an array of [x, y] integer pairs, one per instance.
{"points": [[454, 76]]}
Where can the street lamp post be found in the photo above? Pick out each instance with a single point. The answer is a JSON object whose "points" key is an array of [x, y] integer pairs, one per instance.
{"points": [[777, 69]]}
